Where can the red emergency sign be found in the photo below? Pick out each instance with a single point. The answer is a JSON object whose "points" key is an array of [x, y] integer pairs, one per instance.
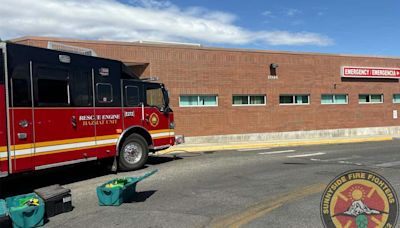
{"points": [[370, 72]]}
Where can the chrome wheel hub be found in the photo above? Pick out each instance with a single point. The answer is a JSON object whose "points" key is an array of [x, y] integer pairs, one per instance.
{"points": [[132, 152]]}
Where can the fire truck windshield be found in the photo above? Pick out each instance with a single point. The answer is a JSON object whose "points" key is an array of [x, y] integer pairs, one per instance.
{"points": [[155, 96]]}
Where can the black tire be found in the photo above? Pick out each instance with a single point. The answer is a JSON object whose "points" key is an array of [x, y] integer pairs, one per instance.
{"points": [[133, 153]]}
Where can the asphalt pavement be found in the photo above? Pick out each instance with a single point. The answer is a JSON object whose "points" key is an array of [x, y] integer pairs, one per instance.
{"points": [[261, 187]]}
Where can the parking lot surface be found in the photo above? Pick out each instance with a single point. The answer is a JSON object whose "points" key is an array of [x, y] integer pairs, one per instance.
{"points": [[279, 187]]}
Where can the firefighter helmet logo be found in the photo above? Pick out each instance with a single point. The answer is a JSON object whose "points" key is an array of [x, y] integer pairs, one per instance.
{"points": [[359, 199], [154, 120]]}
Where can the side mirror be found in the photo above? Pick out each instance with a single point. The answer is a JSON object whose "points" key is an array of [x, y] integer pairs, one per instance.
{"points": [[166, 110]]}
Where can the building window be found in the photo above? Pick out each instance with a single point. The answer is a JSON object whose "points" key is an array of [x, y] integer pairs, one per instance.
{"points": [[245, 100], [294, 99], [334, 99], [370, 98], [396, 98], [198, 100]]}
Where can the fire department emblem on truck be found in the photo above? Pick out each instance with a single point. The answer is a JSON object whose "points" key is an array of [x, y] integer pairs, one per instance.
{"points": [[154, 120], [359, 199]]}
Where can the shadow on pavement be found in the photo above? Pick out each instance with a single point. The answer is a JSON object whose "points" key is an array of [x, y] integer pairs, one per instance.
{"points": [[27, 182], [156, 160], [141, 196]]}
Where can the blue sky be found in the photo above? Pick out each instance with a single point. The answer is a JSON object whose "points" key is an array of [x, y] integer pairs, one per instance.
{"points": [[341, 26], [356, 26]]}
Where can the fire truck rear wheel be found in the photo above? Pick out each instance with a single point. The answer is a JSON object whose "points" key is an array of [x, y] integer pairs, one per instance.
{"points": [[134, 153]]}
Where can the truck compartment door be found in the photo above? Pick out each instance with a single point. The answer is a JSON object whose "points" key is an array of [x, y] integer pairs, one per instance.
{"points": [[132, 103], [21, 121], [156, 121], [64, 115]]}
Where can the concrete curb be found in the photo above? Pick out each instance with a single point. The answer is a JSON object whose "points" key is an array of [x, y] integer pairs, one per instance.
{"points": [[204, 148]]}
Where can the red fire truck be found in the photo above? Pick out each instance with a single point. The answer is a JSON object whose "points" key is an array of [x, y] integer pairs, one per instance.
{"points": [[59, 108]]}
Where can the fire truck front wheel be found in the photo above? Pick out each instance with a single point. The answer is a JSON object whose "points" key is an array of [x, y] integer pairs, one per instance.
{"points": [[134, 153]]}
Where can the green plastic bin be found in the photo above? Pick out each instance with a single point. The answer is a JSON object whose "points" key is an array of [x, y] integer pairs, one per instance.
{"points": [[115, 196], [25, 216], [5, 221]]}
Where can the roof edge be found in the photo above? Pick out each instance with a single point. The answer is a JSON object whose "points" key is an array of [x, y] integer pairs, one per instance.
{"points": [[57, 39]]}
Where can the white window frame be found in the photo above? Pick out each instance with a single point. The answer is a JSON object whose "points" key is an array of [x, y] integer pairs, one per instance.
{"points": [[198, 100], [334, 98], [248, 100], [294, 95], [393, 98], [369, 96]]}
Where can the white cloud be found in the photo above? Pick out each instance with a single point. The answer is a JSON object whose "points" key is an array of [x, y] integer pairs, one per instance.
{"points": [[267, 13], [286, 38], [292, 12], [139, 20]]}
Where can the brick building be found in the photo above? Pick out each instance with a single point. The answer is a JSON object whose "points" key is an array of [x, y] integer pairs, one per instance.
{"points": [[216, 91]]}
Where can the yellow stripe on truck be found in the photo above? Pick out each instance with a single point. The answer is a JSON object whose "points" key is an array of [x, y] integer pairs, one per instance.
{"points": [[57, 142], [156, 134], [58, 151]]}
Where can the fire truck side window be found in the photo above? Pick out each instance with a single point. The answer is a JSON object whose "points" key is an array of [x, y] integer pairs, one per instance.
{"points": [[20, 97], [1, 67], [81, 89], [132, 96], [104, 92], [20, 86], [53, 92], [52, 87]]}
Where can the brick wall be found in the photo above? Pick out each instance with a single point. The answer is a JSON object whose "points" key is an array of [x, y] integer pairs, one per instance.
{"points": [[189, 70]]}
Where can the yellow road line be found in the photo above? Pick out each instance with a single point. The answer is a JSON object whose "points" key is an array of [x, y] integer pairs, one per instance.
{"points": [[271, 144], [261, 209]]}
